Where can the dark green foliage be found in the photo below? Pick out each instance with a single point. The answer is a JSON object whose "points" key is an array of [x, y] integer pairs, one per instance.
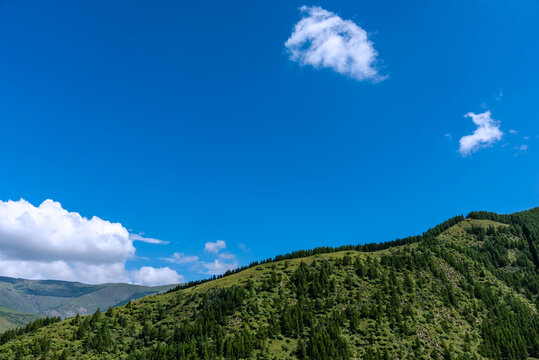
{"points": [[28, 328], [510, 332], [325, 342]]}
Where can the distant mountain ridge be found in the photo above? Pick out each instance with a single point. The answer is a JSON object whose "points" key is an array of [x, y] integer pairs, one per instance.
{"points": [[24, 300]]}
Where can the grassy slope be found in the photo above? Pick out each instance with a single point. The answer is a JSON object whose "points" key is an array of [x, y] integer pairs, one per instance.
{"points": [[433, 324], [10, 318]]}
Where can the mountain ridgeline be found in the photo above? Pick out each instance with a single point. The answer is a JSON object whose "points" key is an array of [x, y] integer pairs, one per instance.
{"points": [[466, 289], [23, 300]]}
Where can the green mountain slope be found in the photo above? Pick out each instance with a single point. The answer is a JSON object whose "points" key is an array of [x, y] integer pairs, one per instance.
{"points": [[10, 318], [24, 300], [467, 289]]}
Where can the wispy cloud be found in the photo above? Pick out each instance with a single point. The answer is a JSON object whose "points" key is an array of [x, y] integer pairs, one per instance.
{"points": [[324, 40], [148, 240], [487, 132], [181, 258], [218, 262], [521, 149], [215, 246], [227, 256], [218, 266], [243, 247]]}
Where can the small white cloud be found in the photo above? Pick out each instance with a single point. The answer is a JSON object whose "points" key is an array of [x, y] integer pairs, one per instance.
{"points": [[521, 149], [526, 138], [487, 132], [227, 256], [514, 132], [151, 276], [218, 266], [139, 237], [182, 259], [214, 247], [221, 261], [243, 247], [449, 136], [324, 40]]}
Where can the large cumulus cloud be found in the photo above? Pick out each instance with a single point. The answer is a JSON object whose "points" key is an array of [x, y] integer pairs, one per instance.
{"points": [[50, 233], [49, 242]]}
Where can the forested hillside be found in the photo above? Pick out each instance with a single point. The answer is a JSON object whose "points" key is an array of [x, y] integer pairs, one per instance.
{"points": [[467, 289]]}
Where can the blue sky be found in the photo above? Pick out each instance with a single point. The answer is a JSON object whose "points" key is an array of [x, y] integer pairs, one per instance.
{"points": [[193, 122]]}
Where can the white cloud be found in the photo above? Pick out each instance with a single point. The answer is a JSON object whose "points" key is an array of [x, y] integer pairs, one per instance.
{"points": [[214, 247], [218, 266], [514, 132], [50, 233], [227, 256], [151, 276], [522, 148], [64, 270], [487, 132], [181, 258], [243, 247], [49, 242], [139, 237], [221, 261], [324, 40]]}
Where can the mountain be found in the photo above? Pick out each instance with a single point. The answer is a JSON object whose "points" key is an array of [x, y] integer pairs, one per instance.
{"points": [[10, 318], [24, 300], [466, 289]]}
